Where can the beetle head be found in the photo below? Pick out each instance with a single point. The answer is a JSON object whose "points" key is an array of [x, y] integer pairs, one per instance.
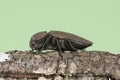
{"points": [[37, 40]]}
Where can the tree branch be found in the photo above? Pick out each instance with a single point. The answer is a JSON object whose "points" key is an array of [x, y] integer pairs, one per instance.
{"points": [[84, 65]]}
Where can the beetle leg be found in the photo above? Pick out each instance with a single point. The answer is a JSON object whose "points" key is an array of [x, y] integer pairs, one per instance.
{"points": [[71, 45], [63, 45], [44, 44], [59, 47]]}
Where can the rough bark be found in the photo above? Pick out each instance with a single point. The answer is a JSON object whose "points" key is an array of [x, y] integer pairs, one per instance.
{"points": [[83, 65]]}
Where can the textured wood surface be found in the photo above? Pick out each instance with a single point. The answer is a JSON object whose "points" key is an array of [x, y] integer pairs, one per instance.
{"points": [[83, 65]]}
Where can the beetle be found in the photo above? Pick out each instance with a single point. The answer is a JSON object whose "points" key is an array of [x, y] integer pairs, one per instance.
{"points": [[58, 40]]}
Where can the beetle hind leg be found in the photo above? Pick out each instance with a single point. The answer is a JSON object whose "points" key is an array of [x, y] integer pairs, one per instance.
{"points": [[73, 48]]}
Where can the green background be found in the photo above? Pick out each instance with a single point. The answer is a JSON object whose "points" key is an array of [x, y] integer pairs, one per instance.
{"points": [[95, 20]]}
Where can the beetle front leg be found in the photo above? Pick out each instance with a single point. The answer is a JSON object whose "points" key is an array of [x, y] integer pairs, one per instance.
{"points": [[48, 38]]}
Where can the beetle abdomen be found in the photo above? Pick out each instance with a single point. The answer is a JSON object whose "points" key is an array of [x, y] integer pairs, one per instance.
{"points": [[74, 38]]}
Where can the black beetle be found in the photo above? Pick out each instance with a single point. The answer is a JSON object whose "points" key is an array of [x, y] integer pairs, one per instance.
{"points": [[58, 40]]}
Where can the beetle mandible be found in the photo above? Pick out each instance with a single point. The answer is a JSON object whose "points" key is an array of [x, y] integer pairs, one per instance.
{"points": [[58, 40]]}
